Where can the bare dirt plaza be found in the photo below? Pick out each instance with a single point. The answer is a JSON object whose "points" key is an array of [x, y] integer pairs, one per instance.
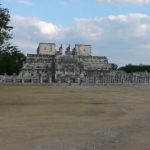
{"points": [[74, 118]]}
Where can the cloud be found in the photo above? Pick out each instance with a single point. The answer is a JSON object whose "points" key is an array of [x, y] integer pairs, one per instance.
{"points": [[38, 26], [29, 31], [25, 2], [124, 2], [123, 38], [65, 2]]}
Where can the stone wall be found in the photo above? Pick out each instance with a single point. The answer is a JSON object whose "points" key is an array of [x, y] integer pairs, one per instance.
{"points": [[37, 66], [46, 49], [68, 67], [95, 63], [83, 50]]}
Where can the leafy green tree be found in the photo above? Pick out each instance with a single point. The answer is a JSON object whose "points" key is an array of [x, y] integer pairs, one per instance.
{"points": [[4, 29], [11, 62], [114, 66], [11, 59]]}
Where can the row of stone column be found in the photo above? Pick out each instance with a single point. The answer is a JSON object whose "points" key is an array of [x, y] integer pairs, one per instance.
{"points": [[95, 78], [118, 78], [22, 80]]}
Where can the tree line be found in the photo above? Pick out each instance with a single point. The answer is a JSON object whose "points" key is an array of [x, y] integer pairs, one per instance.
{"points": [[135, 68]]}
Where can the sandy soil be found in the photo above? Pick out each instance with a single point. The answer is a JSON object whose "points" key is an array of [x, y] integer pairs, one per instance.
{"points": [[71, 118]]}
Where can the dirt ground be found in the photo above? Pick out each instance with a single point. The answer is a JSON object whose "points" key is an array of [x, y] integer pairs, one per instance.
{"points": [[74, 118]]}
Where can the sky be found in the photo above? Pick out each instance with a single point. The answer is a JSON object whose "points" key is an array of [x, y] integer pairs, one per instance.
{"points": [[118, 29]]}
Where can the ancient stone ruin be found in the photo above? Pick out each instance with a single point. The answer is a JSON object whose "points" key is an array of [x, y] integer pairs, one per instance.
{"points": [[77, 66]]}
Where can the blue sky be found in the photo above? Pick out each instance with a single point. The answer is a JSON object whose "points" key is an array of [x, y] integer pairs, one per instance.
{"points": [[117, 29], [64, 11]]}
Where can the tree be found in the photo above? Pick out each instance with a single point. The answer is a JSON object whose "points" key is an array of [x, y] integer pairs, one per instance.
{"points": [[11, 62], [4, 28], [11, 59], [114, 66]]}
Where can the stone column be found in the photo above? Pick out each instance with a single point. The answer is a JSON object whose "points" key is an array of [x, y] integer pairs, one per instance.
{"points": [[32, 80], [79, 80], [86, 80], [69, 81], [22, 80], [14, 78], [50, 79], [5, 77], [148, 77], [97, 81], [41, 80]]}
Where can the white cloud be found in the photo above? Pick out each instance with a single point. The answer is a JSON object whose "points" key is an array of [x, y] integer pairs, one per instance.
{"points": [[25, 2], [123, 38], [30, 31], [65, 2], [38, 26], [124, 2]]}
